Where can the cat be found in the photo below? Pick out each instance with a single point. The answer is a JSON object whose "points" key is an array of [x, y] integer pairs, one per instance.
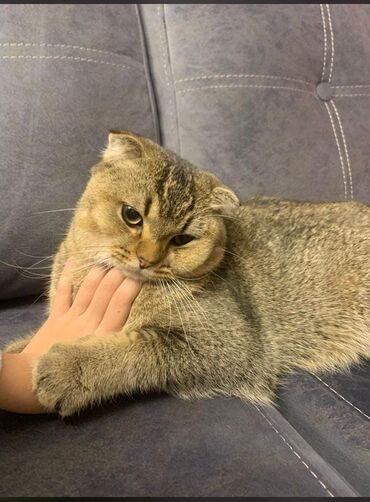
{"points": [[235, 295]]}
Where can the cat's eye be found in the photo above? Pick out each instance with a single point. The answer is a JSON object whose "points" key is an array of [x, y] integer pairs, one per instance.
{"points": [[131, 216], [181, 239]]}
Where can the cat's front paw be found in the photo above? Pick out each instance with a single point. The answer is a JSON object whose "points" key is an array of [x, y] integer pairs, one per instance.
{"points": [[60, 379]]}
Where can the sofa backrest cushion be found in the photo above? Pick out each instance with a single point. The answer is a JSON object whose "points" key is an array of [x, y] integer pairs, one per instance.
{"points": [[69, 74], [275, 99]]}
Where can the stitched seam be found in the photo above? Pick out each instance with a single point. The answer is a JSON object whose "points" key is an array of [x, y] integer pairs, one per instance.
{"points": [[295, 453], [349, 95], [148, 75], [339, 150], [182, 91], [332, 43], [62, 46], [73, 58], [325, 41], [240, 75], [172, 78], [350, 86], [345, 148], [164, 58], [341, 397]]}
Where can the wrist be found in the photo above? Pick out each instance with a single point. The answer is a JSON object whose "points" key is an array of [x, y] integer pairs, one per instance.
{"points": [[29, 357], [16, 393], [39, 343]]}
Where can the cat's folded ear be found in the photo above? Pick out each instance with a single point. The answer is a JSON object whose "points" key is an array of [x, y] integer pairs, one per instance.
{"points": [[223, 198], [124, 145]]}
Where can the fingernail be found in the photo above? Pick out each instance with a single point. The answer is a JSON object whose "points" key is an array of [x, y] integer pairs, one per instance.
{"points": [[117, 270], [98, 268]]}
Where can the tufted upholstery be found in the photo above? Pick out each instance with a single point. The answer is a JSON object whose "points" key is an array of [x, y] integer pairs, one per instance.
{"points": [[63, 87], [236, 88], [275, 99]]}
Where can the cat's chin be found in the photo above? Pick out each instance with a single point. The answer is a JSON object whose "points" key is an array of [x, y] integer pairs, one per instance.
{"points": [[134, 273]]}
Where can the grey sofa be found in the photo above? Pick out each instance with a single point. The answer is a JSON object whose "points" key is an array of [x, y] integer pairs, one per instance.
{"points": [[275, 99]]}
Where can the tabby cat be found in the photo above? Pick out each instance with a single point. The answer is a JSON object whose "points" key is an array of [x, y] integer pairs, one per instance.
{"points": [[235, 295]]}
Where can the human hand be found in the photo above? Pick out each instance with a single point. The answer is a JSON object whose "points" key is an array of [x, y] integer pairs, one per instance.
{"points": [[102, 305]]}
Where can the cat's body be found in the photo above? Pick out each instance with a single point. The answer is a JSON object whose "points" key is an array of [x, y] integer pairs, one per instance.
{"points": [[285, 285]]}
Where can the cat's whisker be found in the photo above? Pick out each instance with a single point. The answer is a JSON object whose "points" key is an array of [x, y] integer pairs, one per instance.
{"points": [[187, 300], [228, 283], [33, 270], [8, 264], [168, 299], [191, 300], [32, 267], [35, 277], [40, 296], [22, 269], [43, 258], [182, 322], [34, 256], [236, 255], [93, 246], [83, 268], [192, 297], [192, 309], [55, 210]]}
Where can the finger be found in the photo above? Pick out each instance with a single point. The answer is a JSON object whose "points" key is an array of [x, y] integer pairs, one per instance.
{"points": [[119, 307], [63, 294], [103, 294], [87, 289]]}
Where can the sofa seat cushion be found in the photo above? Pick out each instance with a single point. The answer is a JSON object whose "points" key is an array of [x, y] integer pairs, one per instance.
{"points": [[155, 446], [332, 413]]}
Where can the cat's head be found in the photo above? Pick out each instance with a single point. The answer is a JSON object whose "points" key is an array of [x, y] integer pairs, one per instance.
{"points": [[151, 213]]}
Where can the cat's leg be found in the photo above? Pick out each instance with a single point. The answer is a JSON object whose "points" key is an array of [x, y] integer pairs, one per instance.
{"points": [[70, 377], [16, 346]]}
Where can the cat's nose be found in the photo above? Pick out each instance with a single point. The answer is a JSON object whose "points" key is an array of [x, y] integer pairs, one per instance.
{"points": [[144, 263]]}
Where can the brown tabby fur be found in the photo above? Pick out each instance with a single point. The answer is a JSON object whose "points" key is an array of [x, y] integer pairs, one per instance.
{"points": [[267, 286]]}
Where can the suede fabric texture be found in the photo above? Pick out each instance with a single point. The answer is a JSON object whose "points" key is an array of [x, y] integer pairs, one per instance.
{"points": [[235, 91], [69, 74], [237, 88], [156, 446], [332, 413]]}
